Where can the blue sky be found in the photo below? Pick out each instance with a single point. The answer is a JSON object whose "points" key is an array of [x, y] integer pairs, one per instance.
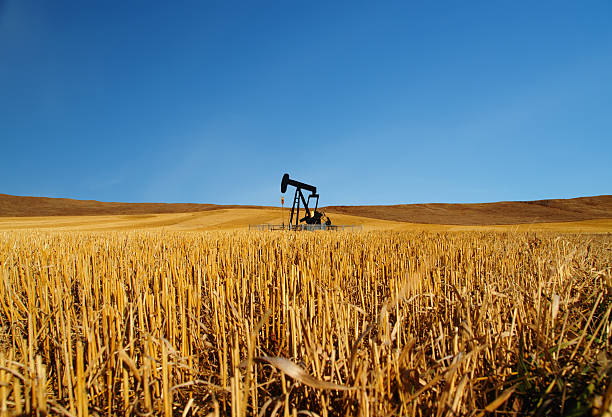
{"points": [[373, 102]]}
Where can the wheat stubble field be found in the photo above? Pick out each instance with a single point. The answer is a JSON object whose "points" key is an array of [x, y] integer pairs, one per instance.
{"points": [[177, 310], [285, 324]]}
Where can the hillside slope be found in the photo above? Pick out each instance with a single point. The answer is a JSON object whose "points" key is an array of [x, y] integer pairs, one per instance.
{"points": [[17, 206], [507, 212]]}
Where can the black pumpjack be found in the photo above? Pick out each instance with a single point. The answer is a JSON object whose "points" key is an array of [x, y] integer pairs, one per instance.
{"points": [[312, 216]]}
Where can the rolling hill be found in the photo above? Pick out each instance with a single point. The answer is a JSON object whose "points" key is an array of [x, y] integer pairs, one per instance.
{"points": [[507, 212], [18, 206], [510, 212]]}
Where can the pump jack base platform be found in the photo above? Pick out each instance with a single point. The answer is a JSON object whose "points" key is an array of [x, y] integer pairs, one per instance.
{"points": [[308, 227]]}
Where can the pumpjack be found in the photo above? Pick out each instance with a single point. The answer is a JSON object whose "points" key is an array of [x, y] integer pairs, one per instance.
{"points": [[312, 216]]}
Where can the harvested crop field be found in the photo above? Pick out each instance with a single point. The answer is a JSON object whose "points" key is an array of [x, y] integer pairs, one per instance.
{"points": [[277, 323]]}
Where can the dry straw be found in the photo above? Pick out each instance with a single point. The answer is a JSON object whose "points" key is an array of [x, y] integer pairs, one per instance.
{"points": [[312, 324]]}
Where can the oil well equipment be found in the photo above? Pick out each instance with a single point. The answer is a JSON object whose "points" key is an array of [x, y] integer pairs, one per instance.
{"points": [[311, 216], [305, 196]]}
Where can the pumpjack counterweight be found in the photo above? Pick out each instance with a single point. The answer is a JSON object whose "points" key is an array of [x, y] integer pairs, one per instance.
{"points": [[312, 216]]}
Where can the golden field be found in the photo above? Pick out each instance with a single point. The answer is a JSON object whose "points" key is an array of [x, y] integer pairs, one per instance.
{"points": [[170, 321]]}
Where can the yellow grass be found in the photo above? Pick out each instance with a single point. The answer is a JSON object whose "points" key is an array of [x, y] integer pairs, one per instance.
{"points": [[239, 323]]}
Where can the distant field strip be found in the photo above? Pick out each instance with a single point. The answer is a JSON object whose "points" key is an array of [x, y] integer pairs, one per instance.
{"points": [[481, 214], [239, 219]]}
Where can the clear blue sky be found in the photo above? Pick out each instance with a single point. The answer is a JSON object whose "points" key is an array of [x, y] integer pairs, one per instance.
{"points": [[377, 102]]}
